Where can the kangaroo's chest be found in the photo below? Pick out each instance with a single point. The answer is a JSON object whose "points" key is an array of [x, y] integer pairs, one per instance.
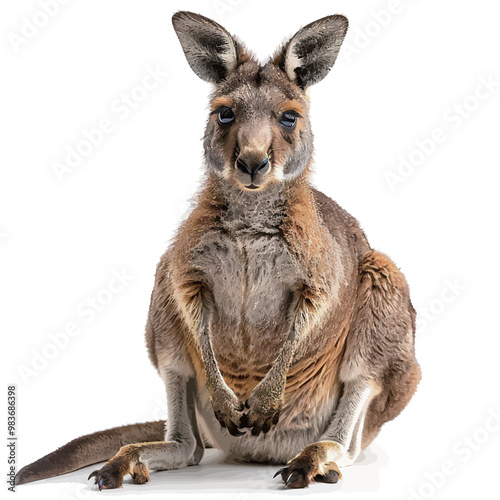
{"points": [[251, 276]]}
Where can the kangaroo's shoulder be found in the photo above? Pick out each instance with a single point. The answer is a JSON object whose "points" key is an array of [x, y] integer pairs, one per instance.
{"points": [[340, 223]]}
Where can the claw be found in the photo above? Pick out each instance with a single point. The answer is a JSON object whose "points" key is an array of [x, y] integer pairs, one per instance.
{"points": [[283, 469], [233, 430], [101, 482], [244, 422], [292, 478], [330, 477], [92, 474], [267, 426], [256, 430]]}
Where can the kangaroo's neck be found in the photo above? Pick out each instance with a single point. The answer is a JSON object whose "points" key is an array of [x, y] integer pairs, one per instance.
{"points": [[260, 212], [257, 212]]}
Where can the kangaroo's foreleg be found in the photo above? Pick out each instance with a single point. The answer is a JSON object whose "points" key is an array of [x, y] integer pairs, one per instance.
{"points": [[267, 397], [197, 305], [183, 445], [226, 406]]}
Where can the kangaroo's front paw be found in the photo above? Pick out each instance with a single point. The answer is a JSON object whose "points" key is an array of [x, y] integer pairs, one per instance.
{"points": [[228, 410], [264, 408]]}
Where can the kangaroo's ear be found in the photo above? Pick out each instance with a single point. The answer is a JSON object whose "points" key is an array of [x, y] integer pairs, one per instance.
{"points": [[210, 50], [310, 54]]}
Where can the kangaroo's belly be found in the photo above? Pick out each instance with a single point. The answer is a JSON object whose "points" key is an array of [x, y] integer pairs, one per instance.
{"points": [[280, 444]]}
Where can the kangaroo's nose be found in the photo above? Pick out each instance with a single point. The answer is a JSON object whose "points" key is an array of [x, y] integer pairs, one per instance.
{"points": [[252, 167]]}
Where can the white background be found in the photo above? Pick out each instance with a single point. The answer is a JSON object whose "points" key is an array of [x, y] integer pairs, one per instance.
{"points": [[400, 76]]}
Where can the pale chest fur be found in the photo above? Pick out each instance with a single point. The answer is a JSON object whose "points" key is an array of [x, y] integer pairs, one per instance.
{"points": [[250, 275], [248, 264]]}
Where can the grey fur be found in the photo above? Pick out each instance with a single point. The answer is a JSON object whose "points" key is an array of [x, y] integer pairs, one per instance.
{"points": [[312, 51], [210, 50]]}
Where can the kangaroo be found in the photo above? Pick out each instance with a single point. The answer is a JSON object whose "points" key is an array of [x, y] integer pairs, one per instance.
{"points": [[281, 335]]}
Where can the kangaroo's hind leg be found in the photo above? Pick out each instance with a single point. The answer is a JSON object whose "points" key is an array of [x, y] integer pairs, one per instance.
{"points": [[379, 373], [183, 445]]}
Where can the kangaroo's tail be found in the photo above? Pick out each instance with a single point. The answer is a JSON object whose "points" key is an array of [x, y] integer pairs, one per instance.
{"points": [[90, 449]]}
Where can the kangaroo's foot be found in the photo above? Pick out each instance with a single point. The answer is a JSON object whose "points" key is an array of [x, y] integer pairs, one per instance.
{"points": [[264, 406], [314, 463], [132, 459], [228, 409], [126, 461]]}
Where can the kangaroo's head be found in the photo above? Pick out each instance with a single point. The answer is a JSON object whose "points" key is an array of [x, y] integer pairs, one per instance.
{"points": [[258, 131]]}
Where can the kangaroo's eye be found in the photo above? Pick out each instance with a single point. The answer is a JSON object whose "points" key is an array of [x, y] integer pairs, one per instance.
{"points": [[289, 119], [225, 116]]}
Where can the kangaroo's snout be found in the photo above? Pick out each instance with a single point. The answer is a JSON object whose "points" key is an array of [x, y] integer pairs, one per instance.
{"points": [[254, 138], [251, 168], [251, 165]]}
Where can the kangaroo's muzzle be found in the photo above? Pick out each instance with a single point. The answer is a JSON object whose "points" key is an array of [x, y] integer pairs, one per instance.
{"points": [[253, 169]]}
